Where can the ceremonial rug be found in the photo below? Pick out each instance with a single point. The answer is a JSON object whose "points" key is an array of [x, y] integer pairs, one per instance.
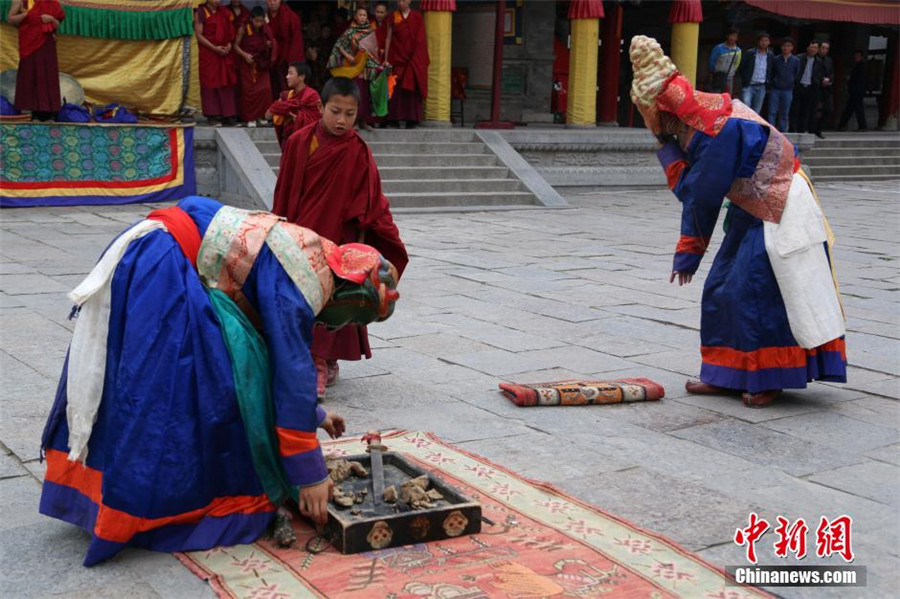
{"points": [[535, 542], [66, 164]]}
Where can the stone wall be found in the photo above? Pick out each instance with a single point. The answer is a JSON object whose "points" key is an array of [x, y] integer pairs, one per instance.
{"points": [[206, 161], [604, 157]]}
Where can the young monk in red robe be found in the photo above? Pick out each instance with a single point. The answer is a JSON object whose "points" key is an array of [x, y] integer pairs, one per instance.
{"points": [[217, 77], [37, 80], [407, 52], [297, 107], [288, 31], [256, 48], [329, 182]]}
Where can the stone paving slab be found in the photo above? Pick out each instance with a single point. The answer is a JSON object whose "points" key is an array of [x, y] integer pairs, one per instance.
{"points": [[849, 433], [10, 467], [872, 480], [523, 296], [769, 448]]}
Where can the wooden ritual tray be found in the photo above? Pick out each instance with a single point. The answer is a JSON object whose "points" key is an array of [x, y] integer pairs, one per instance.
{"points": [[387, 526]]}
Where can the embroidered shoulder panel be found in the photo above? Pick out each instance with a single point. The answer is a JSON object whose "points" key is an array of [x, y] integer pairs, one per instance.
{"points": [[230, 247], [300, 253], [764, 194]]}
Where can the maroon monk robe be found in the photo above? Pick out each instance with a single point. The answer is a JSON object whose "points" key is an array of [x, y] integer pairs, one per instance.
{"points": [[37, 80], [238, 19], [255, 84], [295, 111], [288, 31], [217, 73], [408, 54], [331, 185]]}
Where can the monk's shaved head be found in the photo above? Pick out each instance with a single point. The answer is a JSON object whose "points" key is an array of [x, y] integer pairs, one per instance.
{"points": [[340, 86]]}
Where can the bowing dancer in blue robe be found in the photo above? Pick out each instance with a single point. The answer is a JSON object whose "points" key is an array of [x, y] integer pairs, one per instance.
{"points": [[186, 412], [771, 317]]}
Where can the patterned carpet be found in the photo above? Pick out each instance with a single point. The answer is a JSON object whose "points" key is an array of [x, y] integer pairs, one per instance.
{"points": [[541, 543]]}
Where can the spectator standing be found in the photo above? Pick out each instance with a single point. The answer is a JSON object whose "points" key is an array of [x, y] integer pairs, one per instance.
{"points": [[407, 53], [37, 80], [785, 70], [288, 32], [809, 88], [827, 87], [857, 93], [724, 62], [238, 14], [757, 67], [215, 34], [255, 45]]}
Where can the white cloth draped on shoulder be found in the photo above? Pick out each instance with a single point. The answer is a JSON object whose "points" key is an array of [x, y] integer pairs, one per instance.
{"points": [[796, 250], [87, 354]]}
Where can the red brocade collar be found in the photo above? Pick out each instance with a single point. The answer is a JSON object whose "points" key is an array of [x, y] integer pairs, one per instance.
{"points": [[702, 111]]}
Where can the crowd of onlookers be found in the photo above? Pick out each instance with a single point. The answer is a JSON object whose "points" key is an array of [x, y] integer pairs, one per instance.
{"points": [[256, 61], [800, 89]]}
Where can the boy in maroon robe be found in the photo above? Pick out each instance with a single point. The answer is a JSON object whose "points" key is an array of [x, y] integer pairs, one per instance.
{"points": [[215, 34], [37, 80], [407, 52], [256, 49], [297, 107], [288, 31], [328, 181]]}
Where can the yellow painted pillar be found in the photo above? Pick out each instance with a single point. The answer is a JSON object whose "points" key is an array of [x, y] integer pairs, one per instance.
{"points": [[581, 110], [439, 35], [685, 37]]}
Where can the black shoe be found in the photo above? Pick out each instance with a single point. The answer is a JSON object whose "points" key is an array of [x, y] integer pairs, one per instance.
{"points": [[819, 135]]}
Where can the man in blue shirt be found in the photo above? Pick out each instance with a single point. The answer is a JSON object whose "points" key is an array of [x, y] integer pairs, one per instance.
{"points": [[785, 70], [724, 62], [756, 71]]}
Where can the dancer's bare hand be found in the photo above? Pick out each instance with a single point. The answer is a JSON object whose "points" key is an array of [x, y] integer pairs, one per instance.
{"points": [[334, 425], [314, 500], [683, 278]]}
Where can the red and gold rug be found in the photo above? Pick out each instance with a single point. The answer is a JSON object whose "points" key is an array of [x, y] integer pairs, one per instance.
{"points": [[542, 543]]}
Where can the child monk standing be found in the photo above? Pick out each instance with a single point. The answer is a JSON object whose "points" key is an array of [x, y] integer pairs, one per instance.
{"points": [[37, 80], [255, 46], [298, 106], [217, 78], [329, 182]]}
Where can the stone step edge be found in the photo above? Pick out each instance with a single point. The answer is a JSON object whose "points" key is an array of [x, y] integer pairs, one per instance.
{"points": [[446, 194], [487, 208], [442, 156]]}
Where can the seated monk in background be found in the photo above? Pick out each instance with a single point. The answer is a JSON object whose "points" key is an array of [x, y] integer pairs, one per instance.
{"points": [[328, 181], [297, 107]]}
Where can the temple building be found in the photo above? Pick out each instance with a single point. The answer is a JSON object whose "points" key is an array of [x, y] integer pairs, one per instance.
{"points": [[566, 61]]}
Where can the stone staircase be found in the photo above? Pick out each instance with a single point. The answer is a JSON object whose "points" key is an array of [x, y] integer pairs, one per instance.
{"points": [[869, 156], [433, 169]]}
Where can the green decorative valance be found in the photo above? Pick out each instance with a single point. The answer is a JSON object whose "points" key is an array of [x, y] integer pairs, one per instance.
{"points": [[91, 18]]}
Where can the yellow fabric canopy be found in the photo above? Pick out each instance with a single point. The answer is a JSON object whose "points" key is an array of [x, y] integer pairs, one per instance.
{"points": [[145, 75]]}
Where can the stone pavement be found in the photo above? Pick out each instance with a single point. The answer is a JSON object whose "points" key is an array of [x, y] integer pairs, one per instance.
{"points": [[525, 296]]}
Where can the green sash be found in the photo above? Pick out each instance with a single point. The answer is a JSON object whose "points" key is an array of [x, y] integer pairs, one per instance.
{"points": [[250, 366]]}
